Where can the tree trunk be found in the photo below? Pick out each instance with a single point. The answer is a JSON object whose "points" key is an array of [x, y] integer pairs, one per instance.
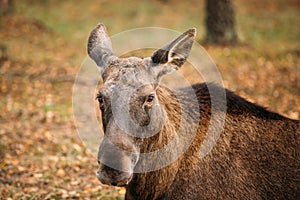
{"points": [[6, 6], [220, 22]]}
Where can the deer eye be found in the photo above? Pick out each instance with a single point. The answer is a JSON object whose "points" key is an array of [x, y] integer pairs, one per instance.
{"points": [[150, 98], [100, 98]]}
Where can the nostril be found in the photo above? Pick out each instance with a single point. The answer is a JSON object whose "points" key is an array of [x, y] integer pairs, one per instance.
{"points": [[114, 183], [98, 162]]}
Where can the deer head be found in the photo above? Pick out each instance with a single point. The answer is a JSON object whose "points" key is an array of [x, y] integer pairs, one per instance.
{"points": [[129, 101]]}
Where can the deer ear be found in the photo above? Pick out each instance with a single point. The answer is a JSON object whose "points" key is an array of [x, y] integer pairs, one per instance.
{"points": [[173, 56], [99, 47]]}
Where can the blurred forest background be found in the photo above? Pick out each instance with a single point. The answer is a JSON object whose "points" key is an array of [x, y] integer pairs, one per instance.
{"points": [[42, 45]]}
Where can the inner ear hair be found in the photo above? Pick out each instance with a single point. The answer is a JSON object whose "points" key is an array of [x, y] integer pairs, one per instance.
{"points": [[177, 51], [160, 56]]}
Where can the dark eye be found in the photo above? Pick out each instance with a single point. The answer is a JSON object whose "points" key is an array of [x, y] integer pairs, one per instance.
{"points": [[100, 98], [150, 98]]}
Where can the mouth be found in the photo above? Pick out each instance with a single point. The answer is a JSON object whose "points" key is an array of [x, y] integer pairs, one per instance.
{"points": [[122, 180], [122, 184]]}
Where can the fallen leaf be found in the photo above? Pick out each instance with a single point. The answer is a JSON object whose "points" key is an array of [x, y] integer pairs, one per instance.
{"points": [[38, 175], [60, 173], [21, 168], [122, 191]]}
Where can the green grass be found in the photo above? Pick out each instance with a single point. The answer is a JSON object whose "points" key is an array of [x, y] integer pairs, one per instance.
{"points": [[74, 19], [268, 31]]}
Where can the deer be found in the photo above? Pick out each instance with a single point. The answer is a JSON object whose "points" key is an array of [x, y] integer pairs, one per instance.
{"points": [[255, 157]]}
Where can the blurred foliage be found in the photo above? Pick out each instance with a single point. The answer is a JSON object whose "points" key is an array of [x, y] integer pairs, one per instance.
{"points": [[42, 44]]}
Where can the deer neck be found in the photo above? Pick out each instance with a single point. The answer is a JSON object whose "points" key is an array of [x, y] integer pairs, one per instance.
{"points": [[153, 183]]}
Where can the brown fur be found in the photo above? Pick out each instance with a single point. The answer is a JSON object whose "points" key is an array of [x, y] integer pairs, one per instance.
{"points": [[256, 157]]}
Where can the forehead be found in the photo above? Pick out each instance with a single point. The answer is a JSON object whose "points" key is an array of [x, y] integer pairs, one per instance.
{"points": [[127, 69], [126, 73]]}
